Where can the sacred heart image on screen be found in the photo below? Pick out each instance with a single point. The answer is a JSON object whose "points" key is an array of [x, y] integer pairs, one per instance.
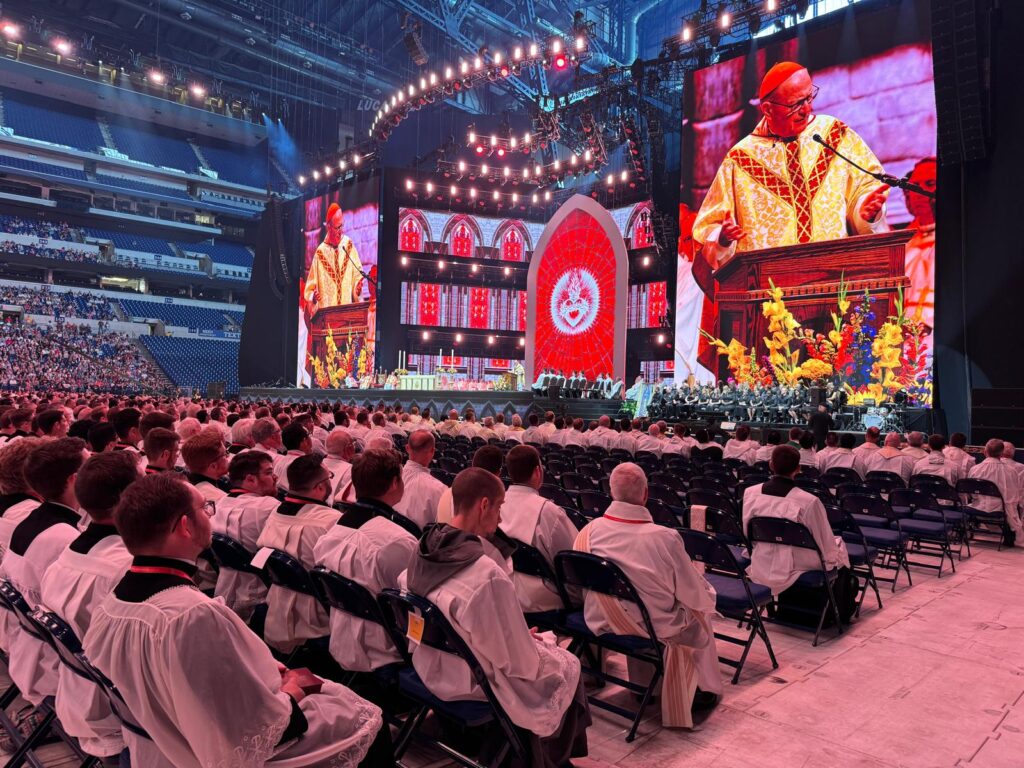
{"points": [[575, 301]]}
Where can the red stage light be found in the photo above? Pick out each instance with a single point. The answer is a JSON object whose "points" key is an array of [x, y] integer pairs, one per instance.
{"points": [[480, 149], [501, 152], [560, 61], [504, 71]]}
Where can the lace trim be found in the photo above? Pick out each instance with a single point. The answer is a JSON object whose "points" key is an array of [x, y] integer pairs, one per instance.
{"points": [[370, 721], [255, 749]]}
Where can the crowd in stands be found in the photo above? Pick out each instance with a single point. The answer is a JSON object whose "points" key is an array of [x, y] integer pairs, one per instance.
{"points": [[64, 253], [16, 225], [125, 516], [44, 301], [74, 359]]}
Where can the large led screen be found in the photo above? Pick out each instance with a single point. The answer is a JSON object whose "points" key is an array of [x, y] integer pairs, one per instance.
{"points": [[789, 272], [338, 287]]}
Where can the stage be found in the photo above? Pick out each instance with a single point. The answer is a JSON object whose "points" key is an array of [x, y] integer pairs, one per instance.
{"points": [[440, 401]]}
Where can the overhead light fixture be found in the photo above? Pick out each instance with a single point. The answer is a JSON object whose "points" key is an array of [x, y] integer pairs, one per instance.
{"points": [[197, 91], [10, 30], [63, 47]]}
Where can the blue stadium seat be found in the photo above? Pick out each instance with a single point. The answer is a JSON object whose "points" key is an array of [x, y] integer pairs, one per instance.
{"points": [[128, 241], [231, 254], [42, 168], [142, 186], [194, 363], [145, 143], [179, 314], [240, 165], [57, 122]]}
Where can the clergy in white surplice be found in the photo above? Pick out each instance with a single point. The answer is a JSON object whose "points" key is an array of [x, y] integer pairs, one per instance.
{"points": [[16, 497], [602, 436], [678, 598], [81, 577], [841, 457], [341, 447], [422, 490], [241, 515], [206, 458], [528, 517], [460, 570], [863, 452], [36, 543], [294, 528], [936, 463], [955, 452], [994, 469], [777, 566], [741, 446], [889, 458], [203, 686], [297, 442], [366, 547]]}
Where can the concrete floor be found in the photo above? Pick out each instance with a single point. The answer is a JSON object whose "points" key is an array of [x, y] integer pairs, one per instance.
{"points": [[934, 680]]}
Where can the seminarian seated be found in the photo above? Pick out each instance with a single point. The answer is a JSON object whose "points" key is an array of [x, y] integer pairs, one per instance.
{"points": [[202, 685], [678, 598], [528, 517], [459, 570], [366, 547], [778, 566], [295, 528]]}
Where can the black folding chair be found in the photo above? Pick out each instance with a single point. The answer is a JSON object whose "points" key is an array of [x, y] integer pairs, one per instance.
{"points": [[882, 530], [593, 504], [862, 555], [948, 509], [596, 574], [883, 481], [445, 477], [574, 482], [736, 597], [528, 561], [928, 535], [670, 499], [434, 631], [847, 487], [706, 483], [663, 514], [673, 480], [559, 495], [835, 475], [776, 530], [982, 522], [230, 554], [809, 471]]}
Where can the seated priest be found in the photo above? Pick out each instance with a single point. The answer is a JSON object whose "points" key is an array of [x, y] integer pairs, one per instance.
{"points": [[241, 515], [778, 566], [422, 490], [77, 582], [889, 458], [203, 686], [936, 462], [741, 446], [294, 528], [678, 598], [1006, 480], [366, 547], [842, 457], [528, 517], [459, 569]]}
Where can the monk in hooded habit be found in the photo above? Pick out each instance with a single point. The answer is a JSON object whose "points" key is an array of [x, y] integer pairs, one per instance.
{"points": [[678, 598], [778, 186], [203, 686], [460, 568]]}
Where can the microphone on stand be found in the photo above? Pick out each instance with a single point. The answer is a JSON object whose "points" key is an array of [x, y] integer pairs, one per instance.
{"points": [[885, 178]]}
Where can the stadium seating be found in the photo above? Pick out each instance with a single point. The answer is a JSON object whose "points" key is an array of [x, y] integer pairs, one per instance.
{"points": [[145, 144], [142, 186], [127, 241], [240, 166], [183, 315], [34, 166], [194, 363], [221, 253], [58, 122]]}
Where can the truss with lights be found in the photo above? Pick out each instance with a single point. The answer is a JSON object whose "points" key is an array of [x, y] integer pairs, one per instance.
{"points": [[556, 54]]}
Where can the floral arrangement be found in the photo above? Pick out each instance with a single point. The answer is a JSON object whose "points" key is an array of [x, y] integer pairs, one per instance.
{"points": [[871, 360], [336, 365]]}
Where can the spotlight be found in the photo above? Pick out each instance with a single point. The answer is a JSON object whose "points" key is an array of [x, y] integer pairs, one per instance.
{"points": [[533, 50], [687, 34], [316, 175], [647, 261], [610, 180], [472, 193], [405, 261], [661, 338], [478, 63], [302, 180], [440, 264], [522, 342], [197, 91], [508, 271], [533, 200], [462, 166], [556, 46], [490, 339], [517, 53], [11, 30], [327, 170], [342, 165], [515, 198], [430, 188], [484, 169], [495, 195], [155, 76], [560, 62], [458, 338], [63, 47], [426, 335], [581, 43], [452, 190], [512, 142], [355, 159], [408, 184], [474, 269], [448, 73], [624, 175], [500, 152], [547, 196], [771, 5], [725, 20], [480, 149]]}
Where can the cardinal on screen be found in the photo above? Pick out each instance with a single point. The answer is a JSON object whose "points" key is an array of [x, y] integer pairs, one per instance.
{"points": [[336, 274]]}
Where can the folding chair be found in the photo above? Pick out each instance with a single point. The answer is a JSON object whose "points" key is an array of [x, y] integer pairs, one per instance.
{"points": [[583, 460], [609, 463], [663, 514], [810, 471], [775, 530], [862, 555], [928, 482], [25, 745], [577, 483], [949, 509], [593, 504], [881, 529], [705, 483], [848, 487], [589, 572], [836, 475], [434, 631], [558, 495], [734, 465], [445, 477], [528, 561], [884, 482], [593, 472], [452, 465], [671, 500], [928, 534], [230, 554], [671, 480], [736, 597], [982, 521], [352, 598]]}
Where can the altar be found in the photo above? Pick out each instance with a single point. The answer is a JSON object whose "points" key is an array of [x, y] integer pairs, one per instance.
{"points": [[417, 382]]}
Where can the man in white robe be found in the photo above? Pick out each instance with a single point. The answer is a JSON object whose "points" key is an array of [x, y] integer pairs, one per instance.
{"points": [[423, 491], [863, 452], [533, 433], [378, 429], [843, 456], [603, 435], [294, 528], [561, 432], [889, 458], [777, 566], [36, 543], [955, 452], [297, 442], [514, 434], [451, 425], [915, 448], [206, 459], [73, 587], [201, 684], [242, 515], [652, 441], [17, 499], [808, 456], [574, 434], [936, 463], [500, 427], [741, 446], [459, 569], [341, 448], [366, 547], [1006, 480], [161, 449], [266, 437], [773, 437], [679, 600], [528, 517]]}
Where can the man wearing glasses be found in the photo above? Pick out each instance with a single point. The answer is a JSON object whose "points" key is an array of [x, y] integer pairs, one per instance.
{"points": [[778, 187]]}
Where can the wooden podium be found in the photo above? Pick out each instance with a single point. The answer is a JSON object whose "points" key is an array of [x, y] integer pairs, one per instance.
{"points": [[809, 275], [342, 320]]}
